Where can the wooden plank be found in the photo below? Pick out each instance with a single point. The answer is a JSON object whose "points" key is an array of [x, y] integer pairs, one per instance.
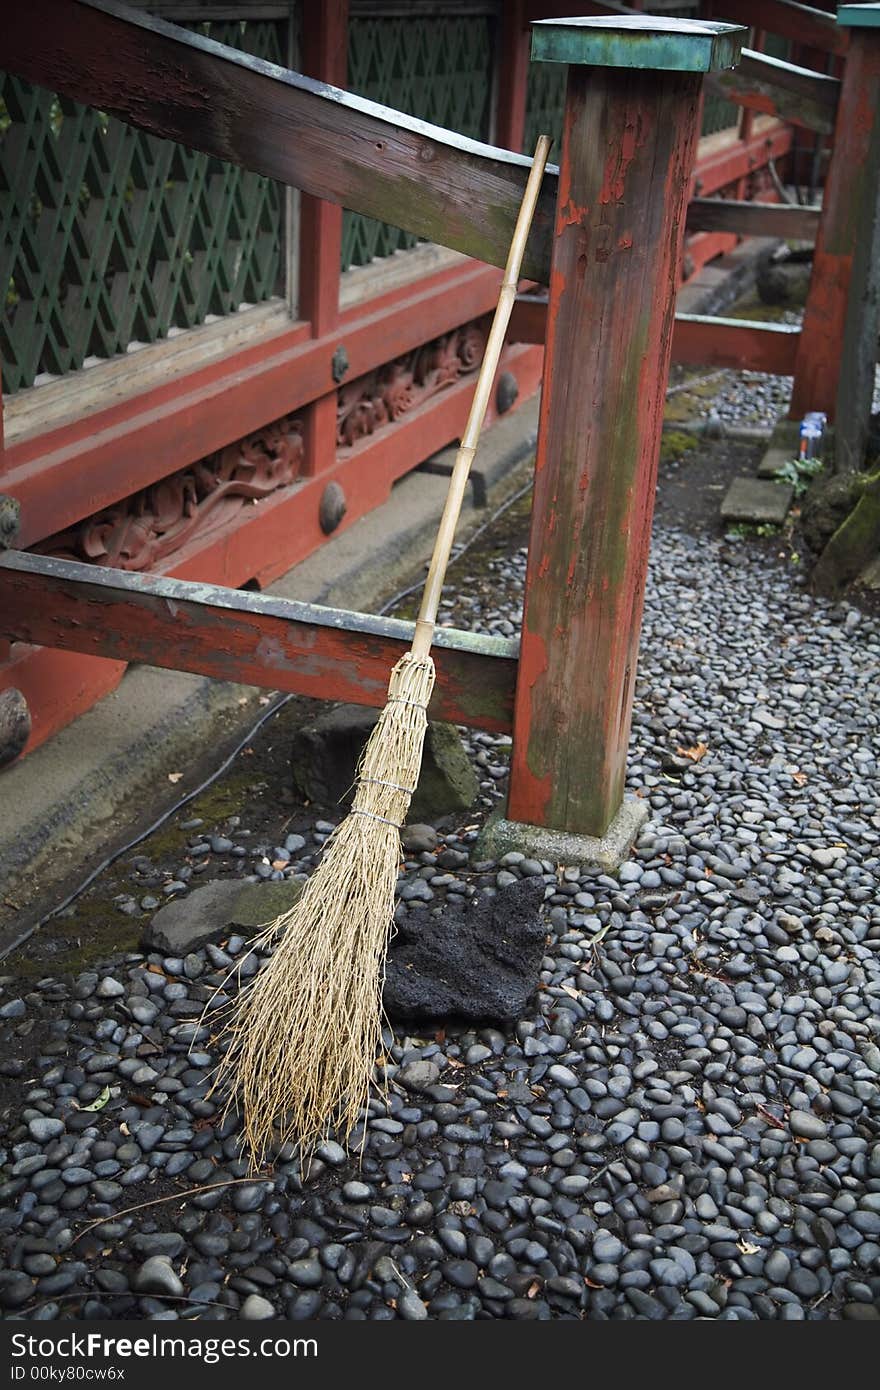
{"points": [[837, 294], [697, 339], [786, 220], [618, 238], [300, 131], [256, 639], [802, 23], [794, 94]]}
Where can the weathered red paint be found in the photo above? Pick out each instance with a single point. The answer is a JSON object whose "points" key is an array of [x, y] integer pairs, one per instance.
{"points": [[271, 643], [628, 146], [850, 180]]}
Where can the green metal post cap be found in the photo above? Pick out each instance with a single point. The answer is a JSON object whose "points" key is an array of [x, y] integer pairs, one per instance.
{"points": [[639, 41], [859, 16]]}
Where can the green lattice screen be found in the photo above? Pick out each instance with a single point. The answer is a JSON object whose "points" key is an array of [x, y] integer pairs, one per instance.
{"points": [[109, 236], [545, 101], [436, 67]]}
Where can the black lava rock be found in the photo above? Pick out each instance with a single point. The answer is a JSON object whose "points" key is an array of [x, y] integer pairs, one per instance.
{"points": [[477, 963]]}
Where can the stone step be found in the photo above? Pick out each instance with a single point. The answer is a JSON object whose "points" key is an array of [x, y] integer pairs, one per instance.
{"points": [[757, 500]]}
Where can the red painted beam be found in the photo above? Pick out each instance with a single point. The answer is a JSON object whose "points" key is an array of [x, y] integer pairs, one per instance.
{"points": [[738, 343], [254, 639], [697, 339], [723, 162]]}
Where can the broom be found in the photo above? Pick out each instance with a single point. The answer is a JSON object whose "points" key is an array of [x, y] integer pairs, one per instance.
{"points": [[304, 1035]]}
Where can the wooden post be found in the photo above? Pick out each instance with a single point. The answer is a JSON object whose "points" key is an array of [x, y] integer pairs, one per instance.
{"points": [[858, 357], [513, 76], [629, 138], [834, 371], [324, 55]]}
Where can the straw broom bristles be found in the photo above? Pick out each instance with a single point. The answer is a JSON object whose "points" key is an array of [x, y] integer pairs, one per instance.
{"points": [[305, 1034]]}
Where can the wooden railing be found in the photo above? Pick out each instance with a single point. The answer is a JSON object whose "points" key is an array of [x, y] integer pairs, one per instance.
{"points": [[339, 148]]}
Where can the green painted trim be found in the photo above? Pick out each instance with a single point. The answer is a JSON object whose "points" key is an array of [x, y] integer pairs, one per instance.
{"points": [[859, 16], [639, 41]]}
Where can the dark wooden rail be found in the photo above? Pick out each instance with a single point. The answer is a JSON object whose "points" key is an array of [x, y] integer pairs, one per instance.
{"points": [[427, 180], [318, 138], [797, 95], [252, 638], [789, 221], [802, 23]]}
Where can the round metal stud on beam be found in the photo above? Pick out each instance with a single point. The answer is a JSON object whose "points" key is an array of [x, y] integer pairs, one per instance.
{"points": [[10, 519], [332, 508], [15, 725], [506, 392]]}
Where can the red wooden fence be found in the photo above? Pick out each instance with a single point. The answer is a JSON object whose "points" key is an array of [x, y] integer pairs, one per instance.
{"points": [[317, 379]]}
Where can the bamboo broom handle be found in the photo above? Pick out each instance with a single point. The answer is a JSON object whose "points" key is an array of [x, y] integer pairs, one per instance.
{"points": [[424, 633]]}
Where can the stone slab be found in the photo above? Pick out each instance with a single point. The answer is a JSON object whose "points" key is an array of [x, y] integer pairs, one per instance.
{"points": [[773, 460], [757, 500], [606, 852], [213, 910]]}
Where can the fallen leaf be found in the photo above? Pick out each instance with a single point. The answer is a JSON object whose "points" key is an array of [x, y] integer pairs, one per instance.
{"points": [[570, 990], [800, 778], [698, 751], [174, 776], [747, 1247], [99, 1102], [533, 1290]]}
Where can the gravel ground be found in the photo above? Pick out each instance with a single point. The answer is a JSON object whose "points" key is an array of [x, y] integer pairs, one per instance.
{"points": [[685, 1125]]}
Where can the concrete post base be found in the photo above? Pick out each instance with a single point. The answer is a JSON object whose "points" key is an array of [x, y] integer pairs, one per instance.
{"points": [[606, 852]]}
